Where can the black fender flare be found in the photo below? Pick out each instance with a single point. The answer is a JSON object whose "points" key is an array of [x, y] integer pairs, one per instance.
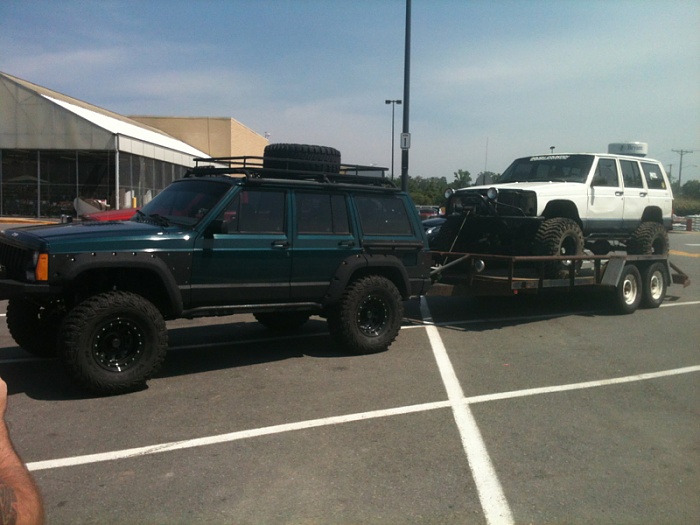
{"points": [[75, 265], [365, 264]]}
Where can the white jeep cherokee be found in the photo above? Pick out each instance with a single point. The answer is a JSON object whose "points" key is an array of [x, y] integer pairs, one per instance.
{"points": [[558, 204]]}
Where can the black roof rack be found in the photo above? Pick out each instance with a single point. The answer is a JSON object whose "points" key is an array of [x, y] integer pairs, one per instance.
{"points": [[295, 169]]}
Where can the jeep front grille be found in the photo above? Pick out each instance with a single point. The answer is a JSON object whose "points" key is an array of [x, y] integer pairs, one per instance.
{"points": [[15, 260]]}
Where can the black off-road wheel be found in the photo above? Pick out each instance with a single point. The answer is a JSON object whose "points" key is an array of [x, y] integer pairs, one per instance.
{"points": [[559, 236], [650, 238], [369, 315], [628, 294], [305, 157], [653, 285], [112, 343], [35, 326], [282, 321]]}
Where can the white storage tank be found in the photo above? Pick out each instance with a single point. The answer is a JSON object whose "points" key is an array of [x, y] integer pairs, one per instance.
{"points": [[636, 149]]}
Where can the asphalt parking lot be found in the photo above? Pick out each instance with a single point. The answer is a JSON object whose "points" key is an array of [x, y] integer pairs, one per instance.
{"points": [[518, 410]]}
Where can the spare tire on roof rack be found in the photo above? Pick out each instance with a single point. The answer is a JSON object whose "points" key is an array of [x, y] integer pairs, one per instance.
{"points": [[301, 157]]}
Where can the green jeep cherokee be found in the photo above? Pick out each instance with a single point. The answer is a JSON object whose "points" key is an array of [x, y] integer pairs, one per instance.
{"points": [[285, 236]]}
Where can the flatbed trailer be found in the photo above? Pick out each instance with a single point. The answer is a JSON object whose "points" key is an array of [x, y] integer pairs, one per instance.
{"points": [[632, 280]]}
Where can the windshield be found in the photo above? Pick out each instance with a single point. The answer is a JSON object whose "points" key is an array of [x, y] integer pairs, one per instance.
{"points": [[184, 203], [555, 168]]}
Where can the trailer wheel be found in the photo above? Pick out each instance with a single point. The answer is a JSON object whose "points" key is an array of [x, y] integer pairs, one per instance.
{"points": [[368, 318], [282, 322], [559, 236], [654, 283], [112, 343], [650, 238], [628, 294]]}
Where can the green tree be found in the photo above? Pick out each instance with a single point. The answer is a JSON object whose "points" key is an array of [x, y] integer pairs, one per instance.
{"points": [[462, 179], [691, 189], [488, 176]]}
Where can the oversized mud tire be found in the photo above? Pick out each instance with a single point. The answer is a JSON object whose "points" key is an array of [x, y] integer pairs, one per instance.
{"points": [[369, 315], [306, 157], [653, 285], [628, 294], [650, 238], [35, 326], [282, 321], [559, 236], [112, 343]]}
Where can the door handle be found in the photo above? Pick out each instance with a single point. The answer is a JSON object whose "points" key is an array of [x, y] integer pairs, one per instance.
{"points": [[619, 193], [346, 244], [280, 244], [643, 194]]}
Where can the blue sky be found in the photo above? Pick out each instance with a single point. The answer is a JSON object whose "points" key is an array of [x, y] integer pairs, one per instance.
{"points": [[490, 80]]}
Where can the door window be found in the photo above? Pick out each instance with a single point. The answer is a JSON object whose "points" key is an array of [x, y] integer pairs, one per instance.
{"points": [[255, 211], [319, 213], [630, 174], [606, 173]]}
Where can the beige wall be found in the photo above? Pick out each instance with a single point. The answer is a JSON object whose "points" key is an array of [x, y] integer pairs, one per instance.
{"points": [[217, 136]]}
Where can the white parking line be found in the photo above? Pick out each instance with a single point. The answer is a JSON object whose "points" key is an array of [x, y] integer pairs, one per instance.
{"points": [[493, 500], [336, 420]]}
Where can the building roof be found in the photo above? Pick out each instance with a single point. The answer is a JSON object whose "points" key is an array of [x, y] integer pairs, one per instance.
{"points": [[35, 117]]}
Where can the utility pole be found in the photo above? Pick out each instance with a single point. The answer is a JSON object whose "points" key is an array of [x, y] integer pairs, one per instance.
{"points": [[405, 135], [681, 152]]}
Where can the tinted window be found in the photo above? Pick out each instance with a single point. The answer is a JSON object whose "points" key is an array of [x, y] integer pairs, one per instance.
{"points": [[653, 176], [321, 213], [255, 211], [630, 174], [566, 168], [383, 215], [606, 173], [186, 202]]}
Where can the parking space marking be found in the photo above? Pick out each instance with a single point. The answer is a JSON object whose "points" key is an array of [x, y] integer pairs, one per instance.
{"points": [[493, 500], [336, 420]]}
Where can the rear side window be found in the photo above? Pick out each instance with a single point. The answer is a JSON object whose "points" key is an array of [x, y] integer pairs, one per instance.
{"points": [[321, 214], [383, 215], [630, 174], [654, 177]]}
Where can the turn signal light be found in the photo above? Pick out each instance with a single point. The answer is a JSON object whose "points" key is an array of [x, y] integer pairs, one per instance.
{"points": [[41, 272]]}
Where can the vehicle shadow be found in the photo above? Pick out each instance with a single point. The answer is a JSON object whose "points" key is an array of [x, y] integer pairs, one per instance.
{"points": [[191, 350], [482, 314]]}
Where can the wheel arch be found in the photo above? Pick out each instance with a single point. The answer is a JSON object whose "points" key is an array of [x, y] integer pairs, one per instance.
{"points": [[652, 214], [354, 268], [150, 279], [562, 208]]}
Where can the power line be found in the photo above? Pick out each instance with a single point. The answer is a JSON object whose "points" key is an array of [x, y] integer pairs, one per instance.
{"points": [[681, 152]]}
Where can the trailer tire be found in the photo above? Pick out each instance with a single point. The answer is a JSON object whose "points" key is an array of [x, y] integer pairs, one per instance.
{"points": [[559, 236], [654, 285], [369, 315], [112, 343], [650, 238], [628, 294]]}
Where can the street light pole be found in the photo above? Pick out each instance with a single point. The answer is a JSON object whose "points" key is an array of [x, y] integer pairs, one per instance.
{"points": [[393, 106]]}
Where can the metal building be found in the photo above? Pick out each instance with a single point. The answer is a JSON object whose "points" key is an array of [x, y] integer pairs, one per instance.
{"points": [[58, 152]]}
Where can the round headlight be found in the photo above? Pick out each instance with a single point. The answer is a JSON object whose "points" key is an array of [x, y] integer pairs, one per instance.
{"points": [[492, 194]]}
